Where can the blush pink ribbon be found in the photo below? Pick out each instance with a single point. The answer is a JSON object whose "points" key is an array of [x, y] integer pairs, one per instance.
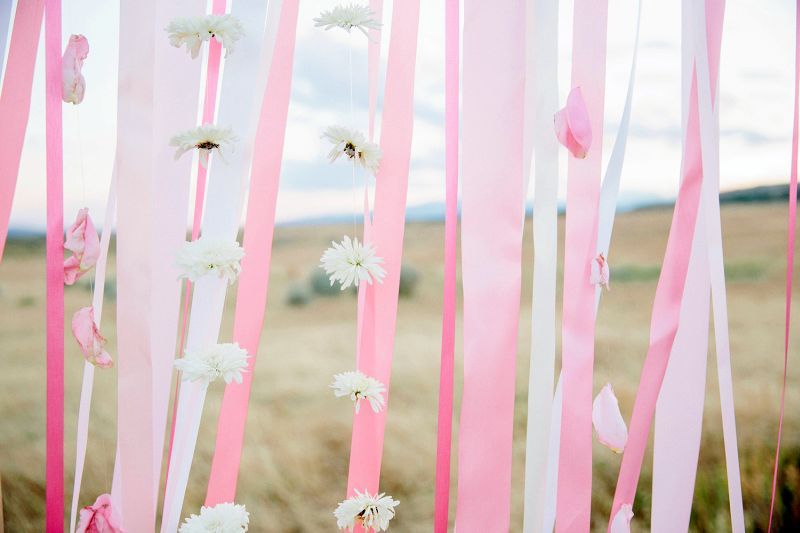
{"points": [[444, 428], [574, 492], [387, 237], [491, 227], [251, 296], [15, 101], [790, 241], [54, 468]]}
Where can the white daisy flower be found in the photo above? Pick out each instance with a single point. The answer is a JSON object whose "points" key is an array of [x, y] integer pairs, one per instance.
{"points": [[206, 138], [197, 258], [353, 145], [348, 17], [350, 262], [226, 361], [370, 511], [222, 518], [359, 386], [194, 31]]}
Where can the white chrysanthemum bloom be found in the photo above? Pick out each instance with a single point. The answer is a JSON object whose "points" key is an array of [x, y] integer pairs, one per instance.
{"points": [[205, 138], [227, 361], [207, 255], [359, 386], [348, 17], [353, 145], [350, 262], [222, 518], [370, 511], [193, 31]]}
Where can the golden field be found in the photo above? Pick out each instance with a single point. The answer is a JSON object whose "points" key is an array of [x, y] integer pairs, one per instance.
{"points": [[297, 442]]}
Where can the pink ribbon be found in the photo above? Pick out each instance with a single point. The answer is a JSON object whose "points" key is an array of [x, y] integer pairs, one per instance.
{"points": [[790, 240], [15, 102], [135, 155], [445, 416], [574, 493], [387, 236], [251, 296], [669, 293], [491, 236], [54, 488]]}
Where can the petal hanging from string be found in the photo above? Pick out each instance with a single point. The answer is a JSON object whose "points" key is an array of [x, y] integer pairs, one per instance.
{"points": [[91, 342], [83, 242], [73, 84], [572, 125], [608, 421]]}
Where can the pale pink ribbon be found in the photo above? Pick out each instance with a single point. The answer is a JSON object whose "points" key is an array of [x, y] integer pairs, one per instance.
{"points": [[670, 289], [574, 492], [15, 101], [444, 430], [790, 240], [209, 107], [251, 296], [54, 488], [135, 155], [85, 405], [388, 227], [491, 235]]}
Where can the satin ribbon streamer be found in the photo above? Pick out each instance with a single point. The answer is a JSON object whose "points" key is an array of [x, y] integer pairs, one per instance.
{"points": [[251, 296], [15, 101], [85, 405], [574, 490], [445, 415], [790, 240], [491, 235], [54, 488], [388, 227]]}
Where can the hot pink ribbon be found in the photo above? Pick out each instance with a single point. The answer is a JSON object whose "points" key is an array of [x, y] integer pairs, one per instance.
{"points": [[491, 227], [444, 428], [251, 297], [15, 102], [790, 240], [387, 237], [54, 489], [574, 493]]}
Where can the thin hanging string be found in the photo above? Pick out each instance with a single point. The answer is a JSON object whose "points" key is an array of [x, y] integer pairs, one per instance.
{"points": [[352, 126], [83, 177]]}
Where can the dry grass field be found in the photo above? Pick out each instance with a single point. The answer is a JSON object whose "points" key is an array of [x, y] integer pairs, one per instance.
{"points": [[297, 442]]}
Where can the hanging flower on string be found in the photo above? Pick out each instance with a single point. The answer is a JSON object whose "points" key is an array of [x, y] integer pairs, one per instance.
{"points": [[359, 386], [350, 262], [369, 511], [622, 520], [353, 145], [227, 361], [209, 255], [91, 342], [348, 17], [83, 242], [194, 31], [600, 274], [608, 422], [222, 518], [73, 84], [207, 138], [572, 124], [100, 517]]}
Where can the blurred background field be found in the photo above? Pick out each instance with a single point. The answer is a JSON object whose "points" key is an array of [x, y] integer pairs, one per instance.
{"points": [[298, 435]]}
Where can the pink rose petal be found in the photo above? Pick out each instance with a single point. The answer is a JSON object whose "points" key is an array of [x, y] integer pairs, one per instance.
{"points": [[607, 420], [91, 342], [600, 274], [83, 242], [573, 128], [622, 520], [73, 85], [100, 517]]}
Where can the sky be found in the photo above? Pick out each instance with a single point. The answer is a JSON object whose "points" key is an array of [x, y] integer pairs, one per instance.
{"points": [[756, 91]]}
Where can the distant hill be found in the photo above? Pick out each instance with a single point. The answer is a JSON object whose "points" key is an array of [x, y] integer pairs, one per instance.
{"points": [[764, 193]]}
